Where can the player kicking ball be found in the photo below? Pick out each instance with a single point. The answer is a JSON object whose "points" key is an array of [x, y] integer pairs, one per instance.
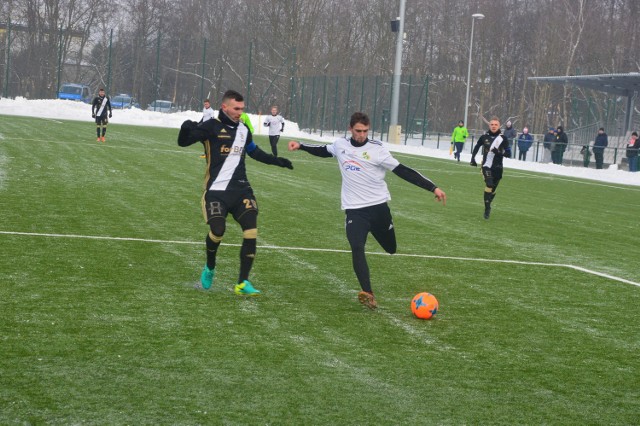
{"points": [[363, 163]]}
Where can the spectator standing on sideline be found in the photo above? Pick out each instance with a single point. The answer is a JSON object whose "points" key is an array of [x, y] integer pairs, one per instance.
{"points": [[458, 138], [510, 134], [494, 148], [207, 114], [547, 143], [227, 190], [275, 123], [363, 163], [601, 142], [632, 152], [100, 110], [559, 146], [524, 143]]}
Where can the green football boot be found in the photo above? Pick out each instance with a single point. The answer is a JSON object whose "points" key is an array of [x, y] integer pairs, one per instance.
{"points": [[245, 288], [206, 278]]}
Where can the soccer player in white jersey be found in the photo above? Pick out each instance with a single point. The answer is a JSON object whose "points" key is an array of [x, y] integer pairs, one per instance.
{"points": [[207, 114], [363, 163], [275, 123]]}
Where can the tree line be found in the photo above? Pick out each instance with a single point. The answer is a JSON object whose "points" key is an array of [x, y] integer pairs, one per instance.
{"points": [[189, 49]]}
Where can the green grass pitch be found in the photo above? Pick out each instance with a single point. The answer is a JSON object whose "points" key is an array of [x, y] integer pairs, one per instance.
{"points": [[103, 321]]}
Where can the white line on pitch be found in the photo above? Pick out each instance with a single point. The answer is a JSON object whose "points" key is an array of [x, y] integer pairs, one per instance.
{"points": [[271, 247]]}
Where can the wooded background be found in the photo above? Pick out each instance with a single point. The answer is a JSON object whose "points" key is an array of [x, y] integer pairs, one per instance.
{"points": [[275, 51]]}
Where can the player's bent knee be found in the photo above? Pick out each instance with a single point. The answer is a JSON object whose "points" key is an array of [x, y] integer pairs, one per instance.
{"points": [[215, 238], [250, 234]]}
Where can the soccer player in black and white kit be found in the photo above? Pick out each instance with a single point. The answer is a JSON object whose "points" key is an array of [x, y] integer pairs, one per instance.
{"points": [[227, 190], [363, 163], [494, 148], [100, 109]]}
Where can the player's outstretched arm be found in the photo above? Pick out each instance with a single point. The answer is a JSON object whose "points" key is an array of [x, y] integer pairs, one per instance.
{"points": [[293, 145], [412, 176], [440, 196], [257, 154], [189, 133], [317, 150]]}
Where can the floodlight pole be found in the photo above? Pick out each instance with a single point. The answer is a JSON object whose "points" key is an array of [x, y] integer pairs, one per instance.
{"points": [[466, 102], [394, 130]]}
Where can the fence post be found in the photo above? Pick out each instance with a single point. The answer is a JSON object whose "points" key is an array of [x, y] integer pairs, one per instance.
{"points": [[157, 71], [375, 107], [324, 101], [406, 121], [60, 63], [426, 105], [109, 67], [335, 106], [248, 74], [7, 61]]}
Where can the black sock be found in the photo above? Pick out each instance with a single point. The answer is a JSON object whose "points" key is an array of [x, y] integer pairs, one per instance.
{"points": [[212, 251], [247, 254]]}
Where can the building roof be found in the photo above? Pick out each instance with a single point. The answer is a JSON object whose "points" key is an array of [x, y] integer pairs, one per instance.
{"points": [[618, 84]]}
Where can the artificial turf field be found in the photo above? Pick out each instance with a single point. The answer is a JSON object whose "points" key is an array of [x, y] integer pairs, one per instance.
{"points": [[103, 321]]}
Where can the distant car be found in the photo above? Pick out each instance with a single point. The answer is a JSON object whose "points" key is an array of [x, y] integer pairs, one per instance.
{"points": [[161, 106], [75, 92], [124, 101]]}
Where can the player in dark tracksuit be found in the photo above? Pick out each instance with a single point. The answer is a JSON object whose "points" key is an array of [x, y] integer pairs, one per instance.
{"points": [[100, 110], [227, 190], [494, 148]]}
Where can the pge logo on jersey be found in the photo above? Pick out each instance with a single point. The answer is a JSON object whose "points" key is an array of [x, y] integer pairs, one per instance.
{"points": [[352, 166]]}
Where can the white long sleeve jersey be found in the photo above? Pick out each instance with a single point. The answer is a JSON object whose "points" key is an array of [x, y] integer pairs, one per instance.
{"points": [[274, 122], [363, 170]]}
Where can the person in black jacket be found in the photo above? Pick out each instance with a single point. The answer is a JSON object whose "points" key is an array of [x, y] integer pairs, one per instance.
{"points": [[549, 138], [510, 134], [494, 148], [100, 109], [599, 145], [226, 141], [559, 145], [632, 152]]}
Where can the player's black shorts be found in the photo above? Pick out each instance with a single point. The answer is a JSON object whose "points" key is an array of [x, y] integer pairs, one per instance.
{"points": [[221, 203], [375, 219], [102, 119], [492, 176]]}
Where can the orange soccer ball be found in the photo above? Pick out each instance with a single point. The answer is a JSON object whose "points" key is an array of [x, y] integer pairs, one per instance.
{"points": [[424, 305]]}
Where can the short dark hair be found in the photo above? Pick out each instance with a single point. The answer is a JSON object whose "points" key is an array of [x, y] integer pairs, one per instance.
{"points": [[359, 117], [634, 134], [601, 128], [232, 94]]}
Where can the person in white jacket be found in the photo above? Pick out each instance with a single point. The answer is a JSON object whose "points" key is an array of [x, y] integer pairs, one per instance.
{"points": [[275, 123]]}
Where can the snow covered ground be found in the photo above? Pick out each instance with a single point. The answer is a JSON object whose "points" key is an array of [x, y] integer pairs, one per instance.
{"points": [[69, 110]]}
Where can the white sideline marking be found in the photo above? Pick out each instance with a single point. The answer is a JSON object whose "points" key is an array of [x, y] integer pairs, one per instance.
{"points": [[272, 247]]}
